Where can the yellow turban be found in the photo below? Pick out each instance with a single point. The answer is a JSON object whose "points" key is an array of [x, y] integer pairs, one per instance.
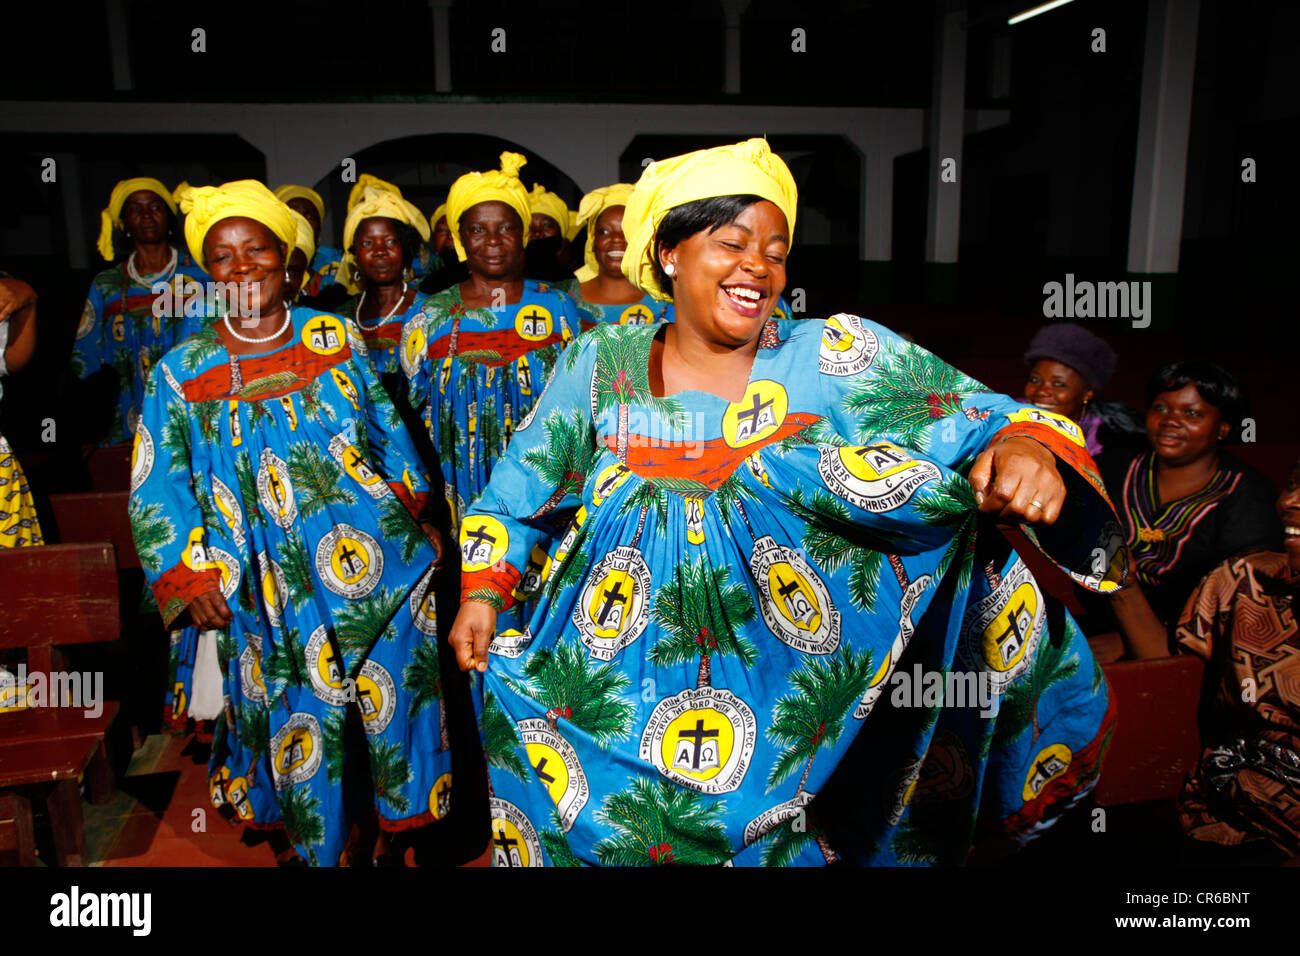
{"points": [[495, 186], [548, 204], [112, 215], [376, 202], [205, 206], [435, 216], [748, 168], [573, 225], [589, 210], [366, 181], [288, 191], [306, 240]]}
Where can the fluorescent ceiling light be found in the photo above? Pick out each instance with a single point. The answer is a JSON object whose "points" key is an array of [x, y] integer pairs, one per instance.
{"points": [[1035, 11]]}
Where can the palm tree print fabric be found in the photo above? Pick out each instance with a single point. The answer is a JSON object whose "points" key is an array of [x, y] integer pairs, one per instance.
{"points": [[118, 329], [723, 594], [474, 373], [286, 480]]}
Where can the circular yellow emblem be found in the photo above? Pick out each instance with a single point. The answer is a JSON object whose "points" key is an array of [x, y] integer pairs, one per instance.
{"points": [[440, 797], [1007, 636], [793, 597], [636, 314], [483, 542], [757, 415], [324, 335], [550, 769], [1052, 761], [533, 322], [350, 559], [698, 743]]}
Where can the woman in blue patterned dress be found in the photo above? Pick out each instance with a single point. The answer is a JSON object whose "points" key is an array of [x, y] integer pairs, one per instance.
{"points": [[124, 327], [276, 500], [769, 545], [605, 293]]}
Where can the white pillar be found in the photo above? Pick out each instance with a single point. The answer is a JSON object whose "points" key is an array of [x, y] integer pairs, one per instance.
{"points": [[80, 244], [1160, 169], [876, 226], [947, 116], [732, 9], [441, 45], [119, 49]]}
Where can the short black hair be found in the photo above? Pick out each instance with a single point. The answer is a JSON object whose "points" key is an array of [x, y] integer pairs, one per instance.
{"points": [[1215, 384], [407, 237], [684, 221]]}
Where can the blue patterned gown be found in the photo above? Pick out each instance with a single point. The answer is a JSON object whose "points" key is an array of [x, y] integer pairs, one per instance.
{"points": [[726, 595], [286, 480]]}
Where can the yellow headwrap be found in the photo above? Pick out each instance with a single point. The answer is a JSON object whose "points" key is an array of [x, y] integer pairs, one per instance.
{"points": [[205, 206], [495, 186], [435, 216], [573, 225], [372, 182], [589, 210], [305, 240], [112, 215], [548, 204], [288, 191], [376, 202], [748, 168]]}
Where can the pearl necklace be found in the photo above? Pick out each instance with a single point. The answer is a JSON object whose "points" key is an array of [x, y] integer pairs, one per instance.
{"points": [[251, 341], [391, 312], [166, 273]]}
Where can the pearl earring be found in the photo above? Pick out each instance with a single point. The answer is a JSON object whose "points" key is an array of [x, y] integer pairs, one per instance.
{"points": [[669, 269]]}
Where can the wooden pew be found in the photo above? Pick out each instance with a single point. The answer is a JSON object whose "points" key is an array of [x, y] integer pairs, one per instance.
{"points": [[53, 596], [110, 467], [1157, 740], [97, 516]]}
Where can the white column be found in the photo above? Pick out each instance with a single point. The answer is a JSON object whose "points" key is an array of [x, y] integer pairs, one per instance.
{"points": [[876, 226], [119, 49], [947, 115], [441, 45], [1160, 170], [732, 9]]}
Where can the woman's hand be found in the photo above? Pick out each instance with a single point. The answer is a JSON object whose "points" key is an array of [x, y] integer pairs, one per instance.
{"points": [[439, 544], [1017, 480], [209, 611], [472, 633]]}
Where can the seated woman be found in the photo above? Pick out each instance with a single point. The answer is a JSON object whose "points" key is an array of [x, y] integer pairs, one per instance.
{"points": [[120, 330], [19, 526], [1245, 793], [605, 293], [324, 263], [272, 501], [382, 236], [1068, 366], [734, 530], [1186, 503]]}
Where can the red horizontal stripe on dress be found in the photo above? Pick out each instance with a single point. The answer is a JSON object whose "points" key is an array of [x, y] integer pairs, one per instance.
{"points": [[710, 463], [505, 342], [387, 336], [306, 365], [142, 300]]}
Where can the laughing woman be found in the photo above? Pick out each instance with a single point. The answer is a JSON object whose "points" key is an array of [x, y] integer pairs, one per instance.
{"points": [[765, 521], [273, 499], [120, 329]]}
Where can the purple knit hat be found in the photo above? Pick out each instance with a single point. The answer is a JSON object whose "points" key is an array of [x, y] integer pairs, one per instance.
{"points": [[1075, 346]]}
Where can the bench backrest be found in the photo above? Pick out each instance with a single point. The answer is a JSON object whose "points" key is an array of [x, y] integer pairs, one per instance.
{"points": [[58, 594], [97, 516]]}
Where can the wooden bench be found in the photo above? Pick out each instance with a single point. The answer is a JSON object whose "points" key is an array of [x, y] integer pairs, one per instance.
{"points": [[97, 516], [110, 467], [1157, 740], [52, 596]]}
